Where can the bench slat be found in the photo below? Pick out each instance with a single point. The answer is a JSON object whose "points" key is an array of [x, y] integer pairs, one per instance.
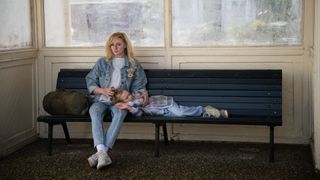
{"points": [[219, 99], [214, 80], [214, 86], [231, 93], [252, 120], [183, 73]]}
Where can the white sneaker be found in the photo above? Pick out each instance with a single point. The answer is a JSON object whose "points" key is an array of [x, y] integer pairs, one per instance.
{"points": [[205, 114], [103, 160], [93, 160], [224, 113], [212, 111]]}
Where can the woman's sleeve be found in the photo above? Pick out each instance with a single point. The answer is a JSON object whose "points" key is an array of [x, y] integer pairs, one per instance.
{"points": [[92, 78], [140, 80]]}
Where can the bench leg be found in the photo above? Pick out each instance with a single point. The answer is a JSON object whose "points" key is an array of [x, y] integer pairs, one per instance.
{"points": [[165, 134], [50, 128], [157, 133], [271, 153], [66, 132]]}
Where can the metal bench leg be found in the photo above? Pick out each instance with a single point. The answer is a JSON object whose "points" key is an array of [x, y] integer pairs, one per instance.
{"points": [[157, 132], [165, 134], [271, 155], [50, 128], [66, 132]]}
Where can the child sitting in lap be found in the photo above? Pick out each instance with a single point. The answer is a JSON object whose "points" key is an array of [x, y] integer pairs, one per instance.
{"points": [[162, 106]]}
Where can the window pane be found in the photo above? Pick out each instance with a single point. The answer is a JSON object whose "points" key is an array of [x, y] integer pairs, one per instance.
{"points": [[236, 22], [15, 20], [87, 23]]}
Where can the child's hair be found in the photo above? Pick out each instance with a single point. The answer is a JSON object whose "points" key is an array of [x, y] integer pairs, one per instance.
{"points": [[116, 97]]}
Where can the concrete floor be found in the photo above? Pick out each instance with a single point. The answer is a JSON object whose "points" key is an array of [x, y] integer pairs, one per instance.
{"points": [[133, 159]]}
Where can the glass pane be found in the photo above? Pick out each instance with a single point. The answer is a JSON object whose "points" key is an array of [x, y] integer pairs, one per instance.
{"points": [[87, 23], [236, 22], [15, 20]]}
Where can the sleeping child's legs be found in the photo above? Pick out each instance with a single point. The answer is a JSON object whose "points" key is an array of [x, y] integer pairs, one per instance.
{"points": [[208, 111], [178, 110]]}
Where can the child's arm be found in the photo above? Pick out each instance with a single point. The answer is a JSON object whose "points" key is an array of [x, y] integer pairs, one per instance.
{"points": [[122, 105]]}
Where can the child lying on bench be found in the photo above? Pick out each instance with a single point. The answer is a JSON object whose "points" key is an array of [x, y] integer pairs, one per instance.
{"points": [[162, 106]]}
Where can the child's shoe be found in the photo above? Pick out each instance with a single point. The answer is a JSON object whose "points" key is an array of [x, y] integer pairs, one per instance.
{"points": [[212, 111], [224, 113]]}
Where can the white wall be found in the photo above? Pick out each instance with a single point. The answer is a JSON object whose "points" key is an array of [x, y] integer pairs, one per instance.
{"points": [[316, 88], [18, 94], [18, 100]]}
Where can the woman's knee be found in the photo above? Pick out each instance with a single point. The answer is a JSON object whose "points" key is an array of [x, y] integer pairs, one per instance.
{"points": [[120, 113], [97, 109]]}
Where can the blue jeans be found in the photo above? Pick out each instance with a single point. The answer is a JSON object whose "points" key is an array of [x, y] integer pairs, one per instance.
{"points": [[176, 110], [97, 112]]}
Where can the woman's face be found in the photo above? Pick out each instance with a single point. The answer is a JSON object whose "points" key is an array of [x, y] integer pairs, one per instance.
{"points": [[118, 47]]}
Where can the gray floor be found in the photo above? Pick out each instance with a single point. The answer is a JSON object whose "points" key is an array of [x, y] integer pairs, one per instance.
{"points": [[133, 159]]}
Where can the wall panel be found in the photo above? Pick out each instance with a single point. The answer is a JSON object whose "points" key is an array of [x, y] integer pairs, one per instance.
{"points": [[17, 107]]}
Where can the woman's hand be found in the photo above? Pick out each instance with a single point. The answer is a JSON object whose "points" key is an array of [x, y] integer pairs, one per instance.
{"points": [[105, 91]]}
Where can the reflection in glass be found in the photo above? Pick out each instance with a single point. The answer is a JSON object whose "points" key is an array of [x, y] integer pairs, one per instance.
{"points": [[15, 20], [87, 23], [236, 22]]}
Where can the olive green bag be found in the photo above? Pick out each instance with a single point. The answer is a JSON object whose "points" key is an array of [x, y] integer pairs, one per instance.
{"points": [[66, 102]]}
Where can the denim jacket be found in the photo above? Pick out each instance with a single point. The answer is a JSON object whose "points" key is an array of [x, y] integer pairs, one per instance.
{"points": [[132, 78]]}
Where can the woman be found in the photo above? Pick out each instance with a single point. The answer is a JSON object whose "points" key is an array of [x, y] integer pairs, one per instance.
{"points": [[118, 69]]}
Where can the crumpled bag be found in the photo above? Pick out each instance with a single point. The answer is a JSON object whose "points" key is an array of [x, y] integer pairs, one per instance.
{"points": [[66, 102]]}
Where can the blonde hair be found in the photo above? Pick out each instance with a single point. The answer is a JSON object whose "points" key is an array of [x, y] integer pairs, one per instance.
{"points": [[116, 97], [128, 51]]}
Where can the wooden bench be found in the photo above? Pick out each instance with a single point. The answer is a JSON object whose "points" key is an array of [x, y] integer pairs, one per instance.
{"points": [[252, 97]]}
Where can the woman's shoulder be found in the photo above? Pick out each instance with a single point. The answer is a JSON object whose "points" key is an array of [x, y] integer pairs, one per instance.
{"points": [[101, 60]]}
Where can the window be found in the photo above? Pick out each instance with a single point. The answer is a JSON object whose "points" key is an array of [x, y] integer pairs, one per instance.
{"points": [[195, 23], [236, 23], [15, 20], [87, 23]]}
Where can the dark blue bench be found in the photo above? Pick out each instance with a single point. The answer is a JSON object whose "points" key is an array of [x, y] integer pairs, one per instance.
{"points": [[252, 97]]}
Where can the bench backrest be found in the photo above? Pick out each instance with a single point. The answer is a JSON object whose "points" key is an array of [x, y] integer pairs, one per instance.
{"points": [[241, 92]]}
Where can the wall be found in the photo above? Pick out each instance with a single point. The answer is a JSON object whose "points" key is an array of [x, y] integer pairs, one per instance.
{"points": [[18, 94], [316, 89], [18, 100], [294, 61]]}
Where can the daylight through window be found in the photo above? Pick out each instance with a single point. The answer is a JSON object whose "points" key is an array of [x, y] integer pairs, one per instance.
{"points": [[87, 23], [236, 22], [15, 20]]}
